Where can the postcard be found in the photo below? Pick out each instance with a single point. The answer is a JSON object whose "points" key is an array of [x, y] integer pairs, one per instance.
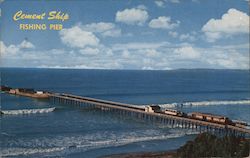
{"points": [[113, 78]]}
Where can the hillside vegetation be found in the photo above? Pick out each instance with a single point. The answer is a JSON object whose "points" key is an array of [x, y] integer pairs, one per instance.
{"points": [[207, 145]]}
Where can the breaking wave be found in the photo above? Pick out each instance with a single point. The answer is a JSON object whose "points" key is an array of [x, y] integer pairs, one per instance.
{"points": [[205, 103], [29, 151], [61, 145], [27, 111], [133, 139]]}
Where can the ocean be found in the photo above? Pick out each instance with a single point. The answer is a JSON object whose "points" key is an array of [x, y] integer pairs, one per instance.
{"points": [[70, 131]]}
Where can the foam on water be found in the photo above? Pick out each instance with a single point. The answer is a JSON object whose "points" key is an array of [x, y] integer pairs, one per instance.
{"points": [[27, 111], [206, 103], [28, 151], [132, 139], [64, 144]]}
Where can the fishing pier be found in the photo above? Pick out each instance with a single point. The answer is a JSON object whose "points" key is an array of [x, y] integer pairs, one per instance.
{"points": [[136, 111]]}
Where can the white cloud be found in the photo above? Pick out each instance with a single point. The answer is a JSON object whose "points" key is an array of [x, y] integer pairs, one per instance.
{"points": [[159, 3], [89, 51], [13, 49], [26, 45], [187, 36], [187, 52], [230, 59], [2, 47], [104, 28], [112, 33], [77, 37], [163, 22], [137, 45], [152, 53], [173, 34], [126, 54], [158, 57], [133, 16], [141, 56], [147, 52], [142, 7], [232, 46], [232, 22], [111, 65], [147, 68], [192, 36]]}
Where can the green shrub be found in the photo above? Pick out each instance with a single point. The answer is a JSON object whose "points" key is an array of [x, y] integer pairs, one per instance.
{"points": [[208, 145]]}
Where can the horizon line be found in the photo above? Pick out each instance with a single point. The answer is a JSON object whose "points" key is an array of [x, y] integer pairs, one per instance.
{"points": [[72, 68]]}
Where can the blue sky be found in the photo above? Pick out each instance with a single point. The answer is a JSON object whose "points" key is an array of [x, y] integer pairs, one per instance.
{"points": [[133, 34]]}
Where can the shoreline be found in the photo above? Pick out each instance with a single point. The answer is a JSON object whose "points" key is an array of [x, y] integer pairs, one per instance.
{"points": [[157, 154]]}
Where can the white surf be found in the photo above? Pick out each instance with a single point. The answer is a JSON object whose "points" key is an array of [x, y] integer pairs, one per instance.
{"points": [[27, 111], [206, 103]]}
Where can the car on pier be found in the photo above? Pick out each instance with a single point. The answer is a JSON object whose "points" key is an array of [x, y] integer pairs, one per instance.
{"points": [[175, 112], [153, 109], [210, 118]]}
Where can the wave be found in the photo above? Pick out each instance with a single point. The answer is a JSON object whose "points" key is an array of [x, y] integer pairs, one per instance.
{"points": [[206, 103], [28, 151], [27, 111], [63, 145], [129, 140]]}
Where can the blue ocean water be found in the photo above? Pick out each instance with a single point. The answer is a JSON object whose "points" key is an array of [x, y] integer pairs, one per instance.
{"points": [[77, 132]]}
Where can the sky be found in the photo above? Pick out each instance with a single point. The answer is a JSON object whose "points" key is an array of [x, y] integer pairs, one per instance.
{"points": [[131, 34]]}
